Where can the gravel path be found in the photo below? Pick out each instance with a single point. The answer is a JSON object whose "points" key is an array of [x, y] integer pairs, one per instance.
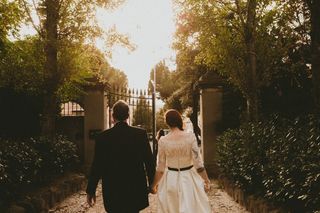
{"points": [[220, 201]]}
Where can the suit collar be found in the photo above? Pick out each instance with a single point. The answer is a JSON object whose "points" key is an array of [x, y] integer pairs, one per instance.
{"points": [[121, 123]]}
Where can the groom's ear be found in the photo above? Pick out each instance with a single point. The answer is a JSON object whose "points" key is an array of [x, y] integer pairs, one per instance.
{"points": [[112, 119]]}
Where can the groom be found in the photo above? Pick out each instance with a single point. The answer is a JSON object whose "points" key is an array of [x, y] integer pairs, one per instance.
{"points": [[122, 159]]}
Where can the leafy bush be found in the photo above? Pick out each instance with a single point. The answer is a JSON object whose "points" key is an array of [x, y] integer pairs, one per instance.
{"points": [[3, 174], [21, 161], [57, 154], [33, 161], [277, 159]]}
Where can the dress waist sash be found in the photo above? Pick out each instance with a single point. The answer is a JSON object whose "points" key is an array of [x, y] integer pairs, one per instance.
{"points": [[180, 169]]}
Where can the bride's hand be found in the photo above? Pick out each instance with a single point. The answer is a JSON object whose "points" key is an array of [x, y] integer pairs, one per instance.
{"points": [[154, 189], [207, 186]]}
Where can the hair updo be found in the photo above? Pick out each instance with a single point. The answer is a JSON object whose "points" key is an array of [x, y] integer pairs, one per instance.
{"points": [[173, 119]]}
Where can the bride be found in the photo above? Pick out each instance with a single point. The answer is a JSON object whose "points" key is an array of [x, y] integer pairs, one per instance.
{"points": [[181, 179]]}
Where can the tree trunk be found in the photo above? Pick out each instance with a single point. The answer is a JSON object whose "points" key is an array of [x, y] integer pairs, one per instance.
{"points": [[315, 52], [250, 29], [52, 77], [49, 115]]}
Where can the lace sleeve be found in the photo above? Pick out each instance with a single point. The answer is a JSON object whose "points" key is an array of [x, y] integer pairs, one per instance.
{"points": [[196, 155], [161, 164]]}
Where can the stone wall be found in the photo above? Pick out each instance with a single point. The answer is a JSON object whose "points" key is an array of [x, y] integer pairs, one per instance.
{"points": [[42, 199], [210, 113], [210, 86], [96, 114]]}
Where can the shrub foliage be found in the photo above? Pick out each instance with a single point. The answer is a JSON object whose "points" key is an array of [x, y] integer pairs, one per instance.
{"points": [[26, 162], [277, 159]]}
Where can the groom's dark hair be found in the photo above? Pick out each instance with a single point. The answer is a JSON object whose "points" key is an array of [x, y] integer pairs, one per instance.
{"points": [[120, 110]]}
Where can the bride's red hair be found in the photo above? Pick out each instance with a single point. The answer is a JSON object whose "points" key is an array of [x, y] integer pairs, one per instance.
{"points": [[174, 119]]}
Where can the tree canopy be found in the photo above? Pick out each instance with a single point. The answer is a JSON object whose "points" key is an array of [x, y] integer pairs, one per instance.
{"points": [[252, 44], [11, 16], [66, 28]]}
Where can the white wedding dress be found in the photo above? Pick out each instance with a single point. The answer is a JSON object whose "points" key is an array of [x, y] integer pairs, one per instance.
{"points": [[181, 191]]}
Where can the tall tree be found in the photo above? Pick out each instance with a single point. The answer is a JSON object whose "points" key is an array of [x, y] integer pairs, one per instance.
{"points": [[247, 42], [164, 80], [81, 63], [51, 65], [62, 23], [250, 41]]}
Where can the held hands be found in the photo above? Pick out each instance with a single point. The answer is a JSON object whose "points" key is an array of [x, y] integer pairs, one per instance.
{"points": [[91, 200], [154, 189]]}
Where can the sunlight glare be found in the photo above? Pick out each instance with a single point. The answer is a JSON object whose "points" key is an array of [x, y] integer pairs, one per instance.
{"points": [[150, 26]]}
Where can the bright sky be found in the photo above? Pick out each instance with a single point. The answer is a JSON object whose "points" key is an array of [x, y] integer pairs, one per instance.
{"points": [[150, 26]]}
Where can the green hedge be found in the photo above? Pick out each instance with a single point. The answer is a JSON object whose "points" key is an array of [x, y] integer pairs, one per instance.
{"points": [[29, 162], [276, 159]]}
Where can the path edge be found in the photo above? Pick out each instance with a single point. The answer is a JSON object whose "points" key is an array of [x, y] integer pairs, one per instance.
{"points": [[251, 203], [46, 197]]}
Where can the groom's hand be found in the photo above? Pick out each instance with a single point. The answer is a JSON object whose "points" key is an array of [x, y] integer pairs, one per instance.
{"points": [[91, 200]]}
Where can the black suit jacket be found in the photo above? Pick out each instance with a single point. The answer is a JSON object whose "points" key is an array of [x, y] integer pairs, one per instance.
{"points": [[124, 161]]}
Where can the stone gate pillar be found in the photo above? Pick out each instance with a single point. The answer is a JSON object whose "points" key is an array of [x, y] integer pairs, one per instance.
{"points": [[95, 119], [211, 92]]}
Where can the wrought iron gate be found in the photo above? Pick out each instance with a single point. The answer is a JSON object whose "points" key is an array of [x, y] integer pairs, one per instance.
{"points": [[142, 109]]}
